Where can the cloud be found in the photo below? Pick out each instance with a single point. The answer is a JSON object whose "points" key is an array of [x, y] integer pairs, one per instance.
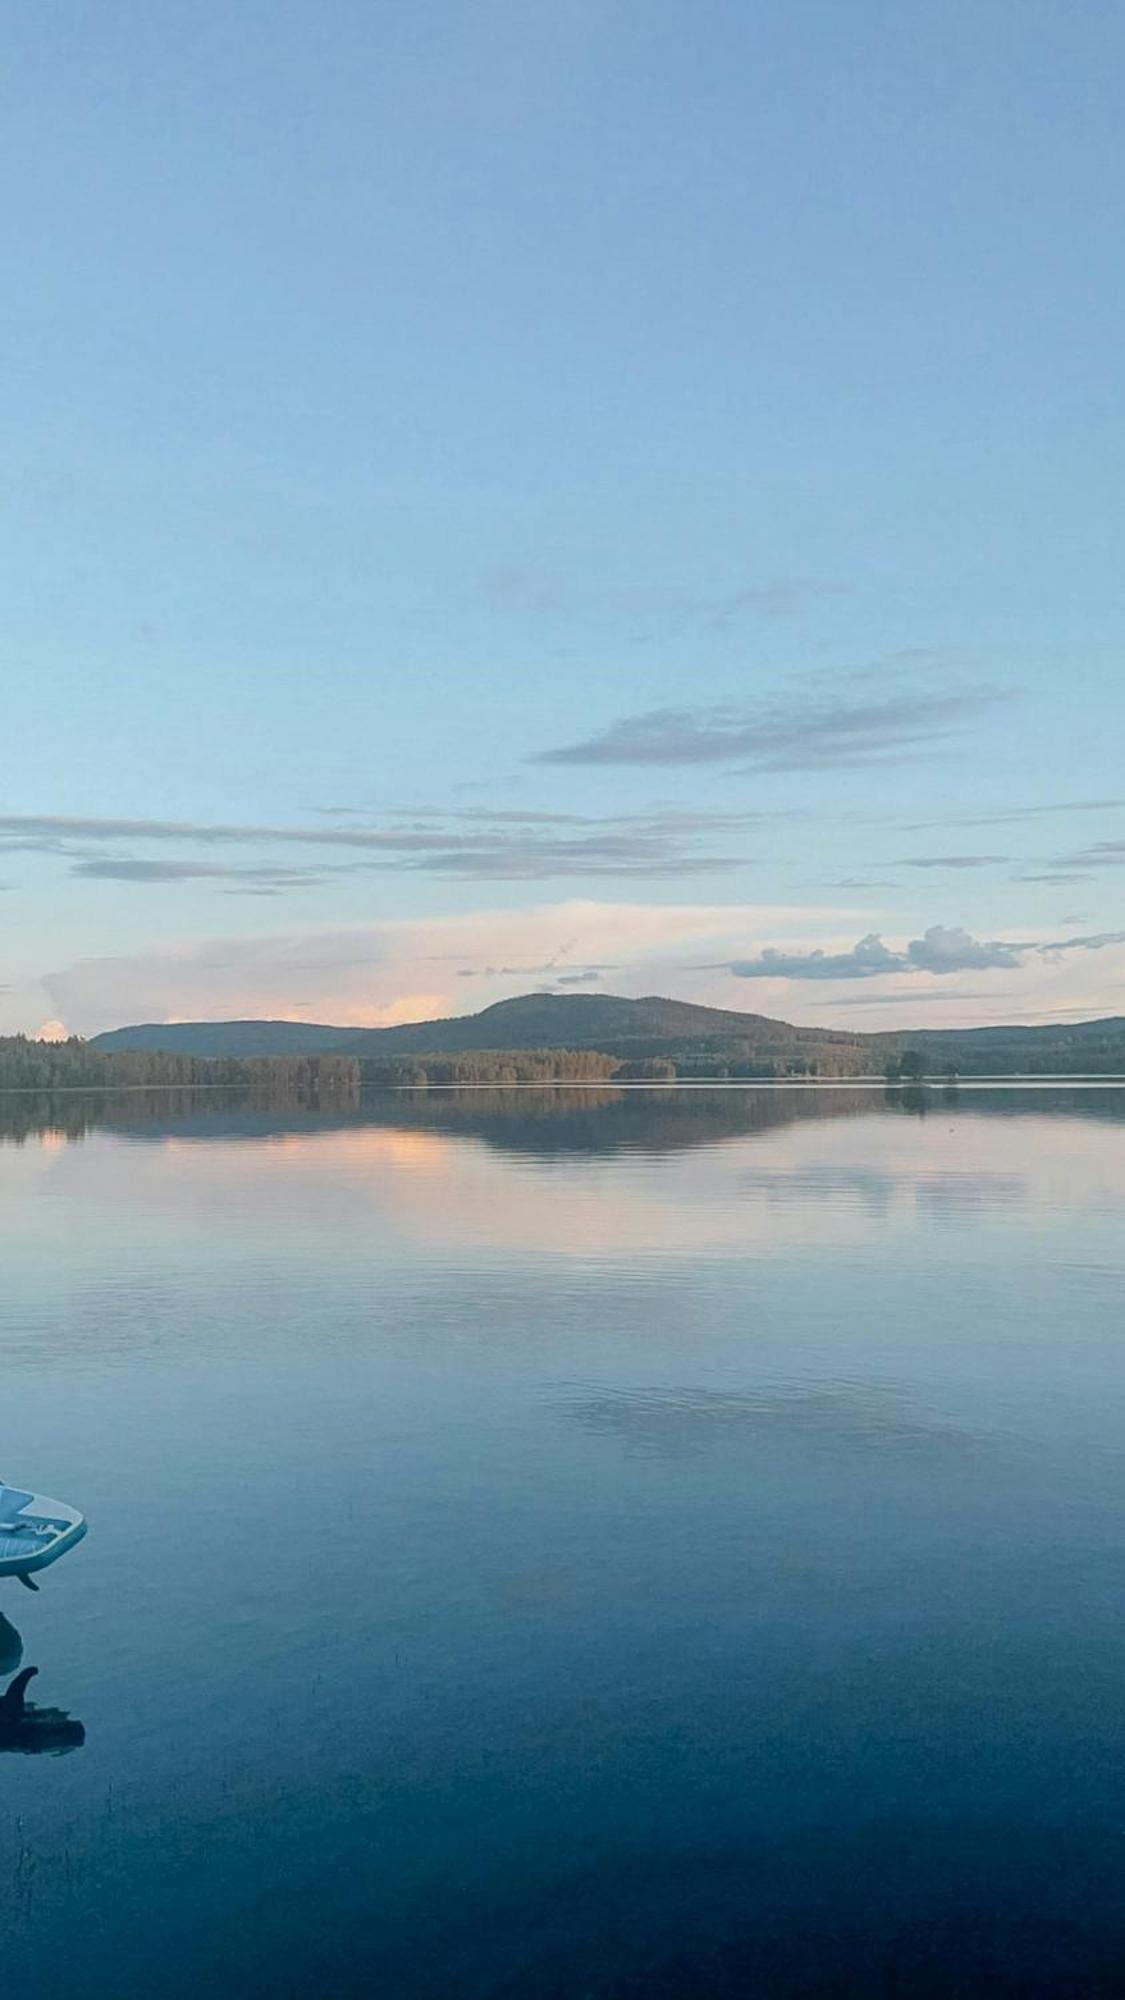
{"points": [[501, 846], [952, 950], [577, 978], [1056, 875], [124, 870], [949, 860], [783, 598], [1015, 813], [941, 950], [858, 882], [556, 590], [808, 735], [1097, 941], [653, 857], [924, 998], [868, 960], [1104, 854]]}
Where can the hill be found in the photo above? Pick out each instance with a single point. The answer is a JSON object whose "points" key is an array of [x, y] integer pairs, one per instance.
{"points": [[697, 1040], [231, 1038], [533, 1021]]}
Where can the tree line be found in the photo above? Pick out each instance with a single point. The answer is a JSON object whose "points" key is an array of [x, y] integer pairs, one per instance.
{"points": [[496, 1066], [337, 1079], [74, 1065]]}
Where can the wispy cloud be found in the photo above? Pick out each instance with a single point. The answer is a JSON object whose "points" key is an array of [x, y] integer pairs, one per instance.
{"points": [[481, 845], [536, 861], [1060, 875], [1103, 854], [558, 590], [1096, 941], [785, 597], [810, 734], [574, 977], [1009, 816], [857, 882], [111, 869], [949, 860], [899, 998]]}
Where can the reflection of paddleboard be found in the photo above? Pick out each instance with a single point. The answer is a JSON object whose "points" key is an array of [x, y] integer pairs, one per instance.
{"points": [[31, 1730], [11, 1646], [34, 1532]]}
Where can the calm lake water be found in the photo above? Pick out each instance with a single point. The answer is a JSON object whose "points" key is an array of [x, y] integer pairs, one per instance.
{"points": [[570, 1544]]}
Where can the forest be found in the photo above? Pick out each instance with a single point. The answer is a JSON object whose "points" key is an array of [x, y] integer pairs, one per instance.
{"points": [[332, 1078], [75, 1065], [493, 1066], [297, 1079]]}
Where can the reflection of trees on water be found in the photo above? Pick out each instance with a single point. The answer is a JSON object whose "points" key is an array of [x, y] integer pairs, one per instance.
{"points": [[594, 1119], [72, 1115], [540, 1120], [914, 1098]]}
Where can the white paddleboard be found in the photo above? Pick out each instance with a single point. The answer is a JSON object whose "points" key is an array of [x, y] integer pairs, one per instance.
{"points": [[34, 1531]]}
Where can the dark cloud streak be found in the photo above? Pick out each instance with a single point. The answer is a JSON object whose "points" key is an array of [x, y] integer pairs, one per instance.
{"points": [[124, 869], [949, 860], [807, 735], [560, 591], [502, 847]]}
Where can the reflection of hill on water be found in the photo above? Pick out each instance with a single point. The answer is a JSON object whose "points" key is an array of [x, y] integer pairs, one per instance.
{"points": [[610, 1121], [552, 1119], [592, 1120]]}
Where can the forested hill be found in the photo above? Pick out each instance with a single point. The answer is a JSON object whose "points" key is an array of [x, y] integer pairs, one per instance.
{"points": [[690, 1040], [533, 1021], [233, 1038]]}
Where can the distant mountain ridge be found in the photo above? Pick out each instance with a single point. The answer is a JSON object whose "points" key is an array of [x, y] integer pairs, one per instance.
{"points": [[636, 1029], [531, 1021]]}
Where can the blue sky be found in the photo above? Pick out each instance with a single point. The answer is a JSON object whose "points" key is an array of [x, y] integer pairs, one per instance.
{"points": [[614, 492]]}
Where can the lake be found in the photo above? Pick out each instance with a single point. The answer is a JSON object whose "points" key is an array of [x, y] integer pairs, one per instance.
{"points": [[586, 1544]]}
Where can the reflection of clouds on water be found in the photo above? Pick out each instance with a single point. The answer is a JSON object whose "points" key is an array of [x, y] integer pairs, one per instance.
{"points": [[948, 1195], [799, 1186], [676, 1421], [877, 1191]]}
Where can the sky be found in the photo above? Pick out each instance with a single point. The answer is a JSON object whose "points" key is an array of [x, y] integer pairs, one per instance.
{"points": [[586, 495]]}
